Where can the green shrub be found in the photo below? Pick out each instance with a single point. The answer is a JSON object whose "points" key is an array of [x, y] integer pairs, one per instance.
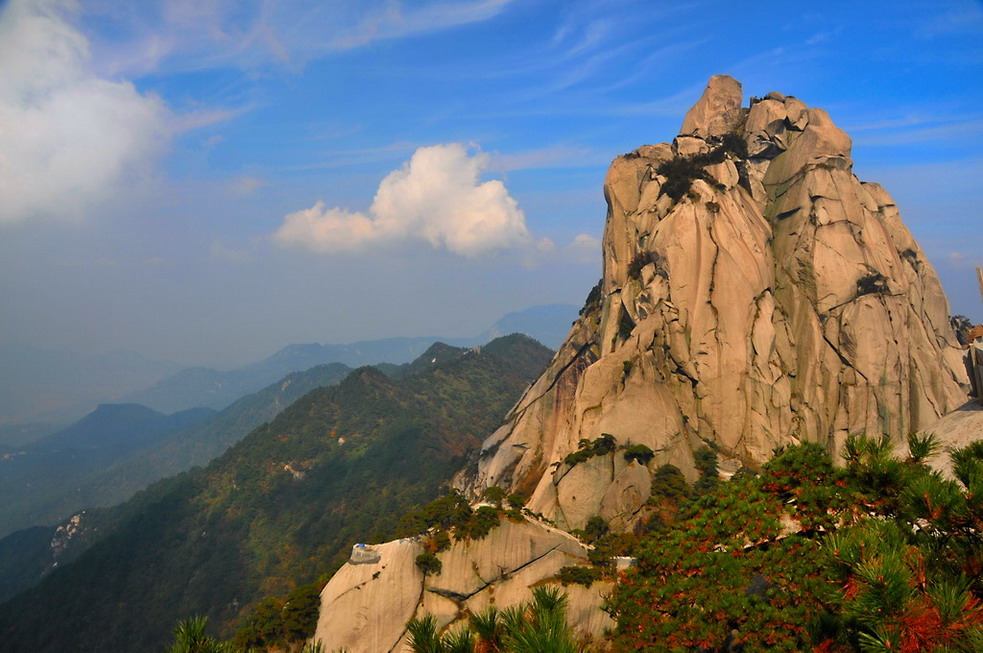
{"points": [[300, 612], [539, 625], [705, 460], [449, 511], [515, 504], [595, 528], [273, 622], [962, 326], [920, 448], [743, 473], [579, 575], [895, 566], [429, 564], [190, 637], [641, 259], [681, 172], [639, 453], [611, 545], [803, 478], [734, 143], [264, 626], [494, 494], [871, 284], [669, 483], [588, 449], [485, 518], [514, 514], [625, 325], [516, 501], [441, 541], [593, 301]]}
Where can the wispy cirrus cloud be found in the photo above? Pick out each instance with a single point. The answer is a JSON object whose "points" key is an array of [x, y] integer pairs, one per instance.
{"points": [[554, 156], [963, 17], [395, 20], [907, 132], [246, 185], [192, 120], [253, 34]]}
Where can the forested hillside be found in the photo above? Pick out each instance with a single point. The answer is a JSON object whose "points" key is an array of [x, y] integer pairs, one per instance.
{"points": [[41, 481], [26, 555], [283, 506]]}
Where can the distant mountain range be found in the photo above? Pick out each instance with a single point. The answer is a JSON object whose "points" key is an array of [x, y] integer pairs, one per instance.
{"points": [[201, 386], [36, 480], [60, 386], [278, 508], [43, 387], [119, 449], [15, 435]]}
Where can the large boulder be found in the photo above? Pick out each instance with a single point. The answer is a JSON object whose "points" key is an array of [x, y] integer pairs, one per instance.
{"points": [[718, 111], [365, 607], [958, 429], [765, 128]]}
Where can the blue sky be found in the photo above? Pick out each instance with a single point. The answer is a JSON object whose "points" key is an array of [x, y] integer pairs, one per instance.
{"points": [[208, 180]]}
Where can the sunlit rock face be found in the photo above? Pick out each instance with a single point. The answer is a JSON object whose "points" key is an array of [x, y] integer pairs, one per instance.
{"points": [[776, 299], [365, 607]]}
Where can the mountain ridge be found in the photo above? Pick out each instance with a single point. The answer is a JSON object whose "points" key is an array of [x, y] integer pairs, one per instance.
{"points": [[58, 465], [276, 509], [202, 386], [46, 390]]}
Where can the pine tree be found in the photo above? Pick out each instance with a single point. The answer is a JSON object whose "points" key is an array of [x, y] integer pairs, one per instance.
{"points": [[190, 637]]}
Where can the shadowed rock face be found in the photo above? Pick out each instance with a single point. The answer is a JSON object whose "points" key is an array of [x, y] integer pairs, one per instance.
{"points": [[779, 300]]}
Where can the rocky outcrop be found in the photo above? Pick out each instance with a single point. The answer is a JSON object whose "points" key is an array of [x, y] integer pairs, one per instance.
{"points": [[755, 294], [958, 429], [365, 607], [718, 110]]}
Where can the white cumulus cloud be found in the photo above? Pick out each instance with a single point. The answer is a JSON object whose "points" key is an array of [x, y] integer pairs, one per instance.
{"points": [[584, 248], [68, 138], [437, 196]]}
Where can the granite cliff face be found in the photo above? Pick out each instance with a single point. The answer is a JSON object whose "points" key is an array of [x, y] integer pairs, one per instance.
{"points": [[755, 293], [365, 607]]}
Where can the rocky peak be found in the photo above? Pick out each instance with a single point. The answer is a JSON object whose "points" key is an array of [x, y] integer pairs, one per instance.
{"points": [[755, 294], [718, 110]]}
